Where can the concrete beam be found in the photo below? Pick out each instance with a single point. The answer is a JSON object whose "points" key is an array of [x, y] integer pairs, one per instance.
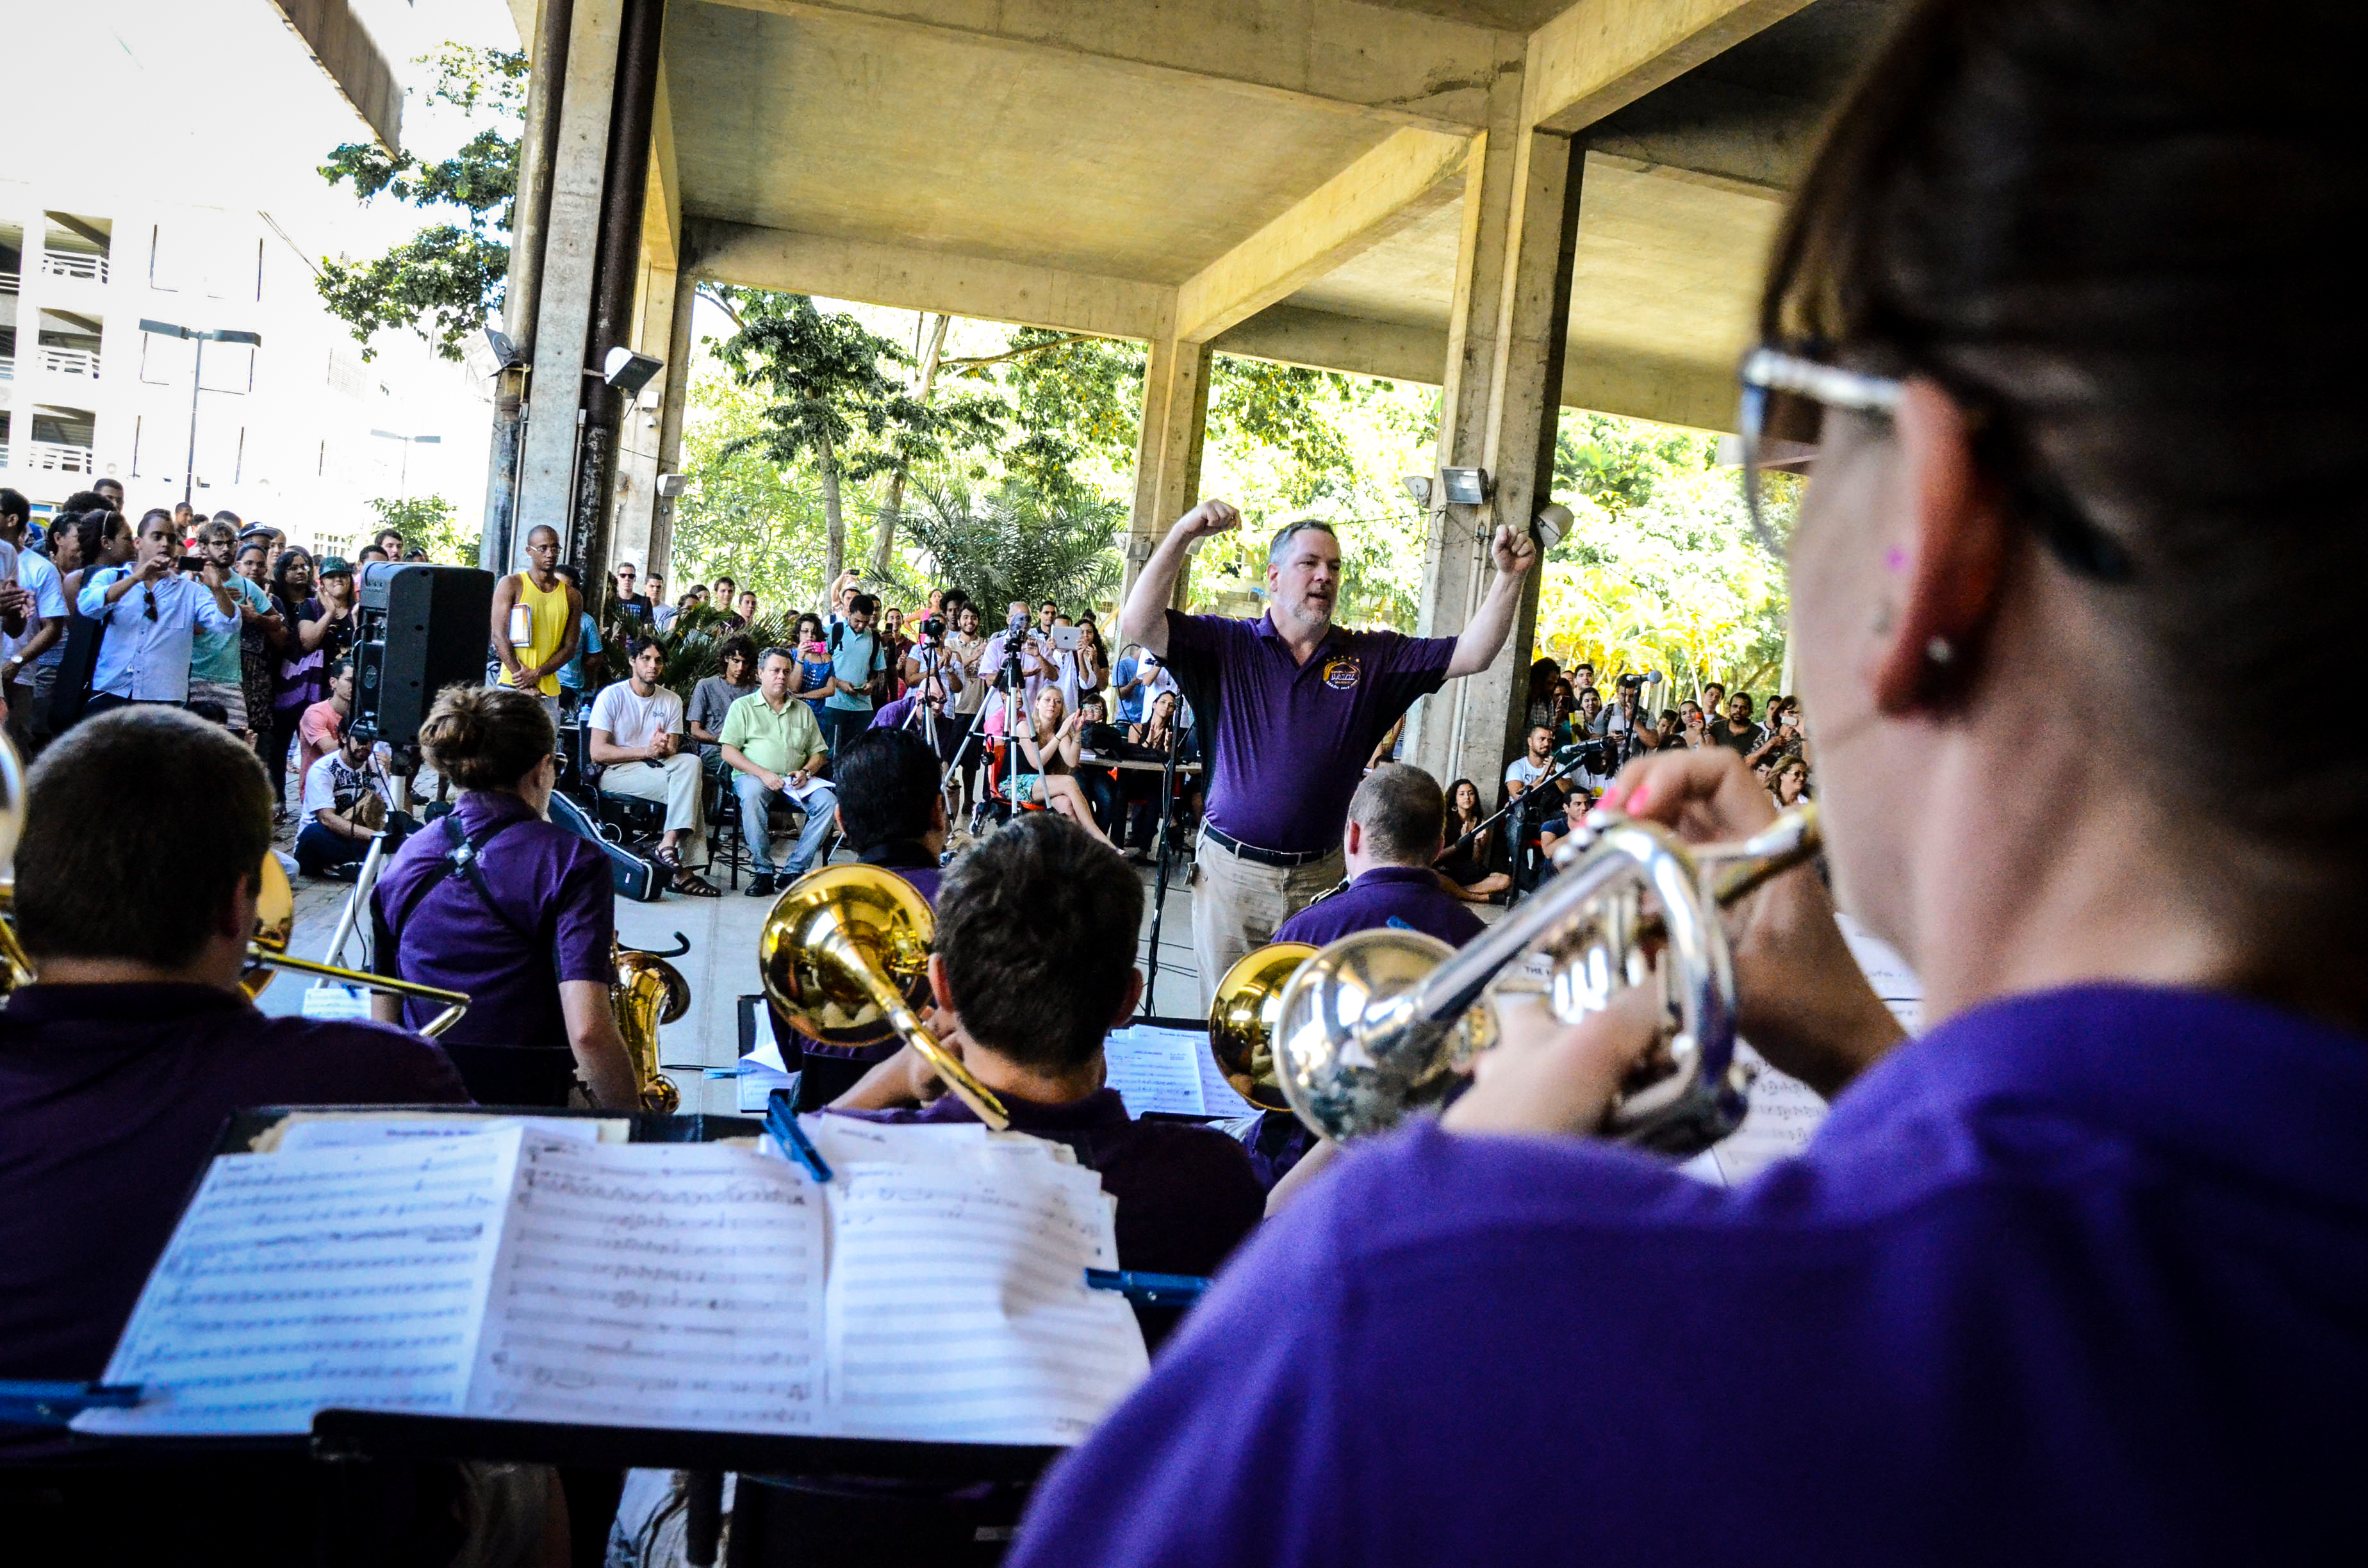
{"points": [[1168, 454], [347, 53], [1321, 340], [1377, 62], [1602, 55], [661, 212], [912, 280], [1381, 193]]}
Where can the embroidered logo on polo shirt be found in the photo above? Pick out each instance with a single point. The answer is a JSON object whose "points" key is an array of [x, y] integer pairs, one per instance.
{"points": [[1340, 673]]}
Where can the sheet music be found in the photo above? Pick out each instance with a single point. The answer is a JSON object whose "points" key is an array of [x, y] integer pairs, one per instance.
{"points": [[656, 1285], [1156, 1069], [1886, 971], [855, 1139], [1218, 1097], [957, 1306], [296, 1281], [305, 1130]]}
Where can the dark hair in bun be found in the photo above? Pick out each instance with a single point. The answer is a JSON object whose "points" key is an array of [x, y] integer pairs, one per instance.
{"points": [[486, 737]]}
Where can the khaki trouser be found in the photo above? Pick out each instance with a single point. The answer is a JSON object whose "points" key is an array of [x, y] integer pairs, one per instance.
{"points": [[1237, 904], [681, 784]]}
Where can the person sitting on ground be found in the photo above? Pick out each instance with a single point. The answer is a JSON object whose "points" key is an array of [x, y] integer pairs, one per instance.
{"points": [[893, 817], [775, 749], [1465, 853], [319, 727], [637, 740], [1033, 966], [120, 1067], [712, 697], [1392, 837], [1045, 756], [525, 924], [344, 807]]}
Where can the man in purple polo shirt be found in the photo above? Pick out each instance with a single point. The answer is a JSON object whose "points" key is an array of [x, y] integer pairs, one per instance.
{"points": [[1392, 835], [120, 1068], [1034, 966], [1293, 708]]}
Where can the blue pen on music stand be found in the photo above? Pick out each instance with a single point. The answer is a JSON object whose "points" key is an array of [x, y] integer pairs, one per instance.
{"points": [[1149, 1289], [781, 1121]]}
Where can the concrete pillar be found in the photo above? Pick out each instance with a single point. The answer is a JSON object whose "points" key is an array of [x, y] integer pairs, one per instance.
{"points": [[680, 348], [638, 461], [1168, 458], [1505, 336], [571, 238]]}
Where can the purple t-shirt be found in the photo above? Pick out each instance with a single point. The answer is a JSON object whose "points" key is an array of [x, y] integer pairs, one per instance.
{"points": [[2079, 1277], [1408, 897], [1186, 1195], [550, 884], [111, 1099], [1288, 742]]}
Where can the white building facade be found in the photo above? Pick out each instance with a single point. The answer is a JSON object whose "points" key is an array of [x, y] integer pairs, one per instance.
{"points": [[299, 431]]}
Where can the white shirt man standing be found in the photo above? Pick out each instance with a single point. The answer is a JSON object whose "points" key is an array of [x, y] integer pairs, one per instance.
{"points": [[637, 739]]}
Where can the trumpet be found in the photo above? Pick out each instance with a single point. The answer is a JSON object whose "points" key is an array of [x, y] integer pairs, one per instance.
{"points": [[275, 921], [845, 954], [1383, 1023], [646, 991]]}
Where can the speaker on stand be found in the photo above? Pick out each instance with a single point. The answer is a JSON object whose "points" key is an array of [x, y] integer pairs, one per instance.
{"points": [[418, 629]]}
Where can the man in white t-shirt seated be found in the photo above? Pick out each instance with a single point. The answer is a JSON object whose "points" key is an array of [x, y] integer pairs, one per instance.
{"points": [[637, 738], [345, 805]]}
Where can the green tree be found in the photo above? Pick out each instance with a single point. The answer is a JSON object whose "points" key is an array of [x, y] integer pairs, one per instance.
{"points": [[1077, 406], [431, 523], [834, 406], [444, 280], [742, 514]]}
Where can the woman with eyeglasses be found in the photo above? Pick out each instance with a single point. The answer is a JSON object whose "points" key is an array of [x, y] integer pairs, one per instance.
{"points": [[2068, 304]]}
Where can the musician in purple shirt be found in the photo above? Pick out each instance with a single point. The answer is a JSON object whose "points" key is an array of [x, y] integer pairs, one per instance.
{"points": [[119, 1070], [495, 901], [1395, 820], [2081, 1276], [1292, 706], [1034, 965]]}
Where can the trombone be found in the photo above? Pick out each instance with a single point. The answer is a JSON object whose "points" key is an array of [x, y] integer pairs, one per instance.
{"points": [[275, 920], [1383, 1023], [845, 955]]}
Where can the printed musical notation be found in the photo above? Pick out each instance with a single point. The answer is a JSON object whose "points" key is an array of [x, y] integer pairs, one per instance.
{"points": [[673, 1285], [295, 1282]]}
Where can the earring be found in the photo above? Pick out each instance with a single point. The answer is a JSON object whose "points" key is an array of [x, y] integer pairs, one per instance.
{"points": [[1939, 651]]}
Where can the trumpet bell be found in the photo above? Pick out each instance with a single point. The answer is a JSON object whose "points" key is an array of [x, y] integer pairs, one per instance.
{"points": [[1242, 1020], [1350, 1053], [825, 931]]}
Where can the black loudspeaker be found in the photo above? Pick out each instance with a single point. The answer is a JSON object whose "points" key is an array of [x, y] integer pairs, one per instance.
{"points": [[418, 629]]}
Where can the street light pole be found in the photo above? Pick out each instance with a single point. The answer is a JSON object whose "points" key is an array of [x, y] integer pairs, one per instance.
{"points": [[403, 480], [197, 384]]}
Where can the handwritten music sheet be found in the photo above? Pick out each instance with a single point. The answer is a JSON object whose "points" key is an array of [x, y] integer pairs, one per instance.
{"points": [[297, 1281], [957, 1306], [673, 1285], [1156, 1069]]}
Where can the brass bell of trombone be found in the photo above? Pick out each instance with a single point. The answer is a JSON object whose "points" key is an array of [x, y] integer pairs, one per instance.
{"points": [[1242, 1020], [275, 922], [1381, 1024], [845, 955]]}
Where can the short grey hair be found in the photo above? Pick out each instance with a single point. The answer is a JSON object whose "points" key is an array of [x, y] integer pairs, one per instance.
{"points": [[1403, 814], [1274, 551]]}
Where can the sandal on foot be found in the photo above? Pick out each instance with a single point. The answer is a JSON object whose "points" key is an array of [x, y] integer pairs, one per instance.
{"points": [[692, 885], [667, 856]]}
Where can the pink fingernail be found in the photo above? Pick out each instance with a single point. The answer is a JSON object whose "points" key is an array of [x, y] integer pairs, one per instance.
{"points": [[1636, 798]]}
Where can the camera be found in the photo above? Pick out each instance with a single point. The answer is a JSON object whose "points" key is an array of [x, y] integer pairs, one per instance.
{"points": [[932, 628]]}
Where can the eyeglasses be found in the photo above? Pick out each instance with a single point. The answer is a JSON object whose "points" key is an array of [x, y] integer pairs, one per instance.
{"points": [[1783, 418], [149, 610]]}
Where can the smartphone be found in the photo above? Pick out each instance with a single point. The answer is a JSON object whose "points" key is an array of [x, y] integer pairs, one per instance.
{"points": [[1067, 638]]}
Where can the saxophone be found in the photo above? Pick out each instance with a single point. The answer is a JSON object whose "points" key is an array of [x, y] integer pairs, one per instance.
{"points": [[645, 992]]}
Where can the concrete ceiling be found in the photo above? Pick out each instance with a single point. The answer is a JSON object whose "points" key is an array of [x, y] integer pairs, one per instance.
{"points": [[1076, 163]]}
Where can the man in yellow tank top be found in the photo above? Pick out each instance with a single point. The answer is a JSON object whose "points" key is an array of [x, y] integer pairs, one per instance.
{"points": [[538, 618]]}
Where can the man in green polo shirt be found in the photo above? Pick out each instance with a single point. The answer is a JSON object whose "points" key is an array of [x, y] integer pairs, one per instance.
{"points": [[774, 747]]}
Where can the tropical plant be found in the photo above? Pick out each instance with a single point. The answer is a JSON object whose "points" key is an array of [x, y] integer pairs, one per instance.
{"points": [[444, 280], [431, 523], [1014, 543]]}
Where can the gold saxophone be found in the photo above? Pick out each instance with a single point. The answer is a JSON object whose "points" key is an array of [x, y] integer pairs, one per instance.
{"points": [[646, 991]]}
